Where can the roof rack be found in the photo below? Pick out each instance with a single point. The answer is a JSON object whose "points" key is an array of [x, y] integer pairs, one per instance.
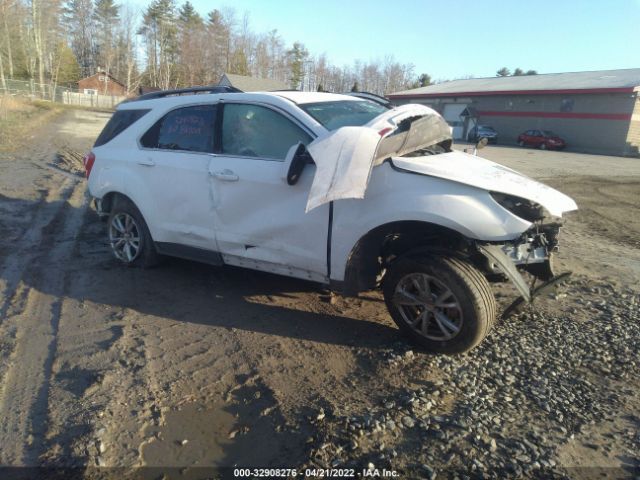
{"points": [[370, 96], [189, 91]]}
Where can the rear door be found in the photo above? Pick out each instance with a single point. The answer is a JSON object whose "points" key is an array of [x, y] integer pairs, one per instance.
{"points": [[174, 159], [260, 220]]}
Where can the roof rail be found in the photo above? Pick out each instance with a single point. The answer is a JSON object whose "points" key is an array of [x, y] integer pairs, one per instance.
{"points": [[188, 91], [370, 96]]}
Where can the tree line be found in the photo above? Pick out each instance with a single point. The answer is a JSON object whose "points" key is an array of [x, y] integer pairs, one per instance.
{"points": [[166, 45]]}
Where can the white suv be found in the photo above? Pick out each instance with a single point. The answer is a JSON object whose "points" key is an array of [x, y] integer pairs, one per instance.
{"points": [[330, 188]]}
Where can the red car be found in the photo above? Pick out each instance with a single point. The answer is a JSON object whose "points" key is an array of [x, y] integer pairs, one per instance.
{"points": [[541, 139]]}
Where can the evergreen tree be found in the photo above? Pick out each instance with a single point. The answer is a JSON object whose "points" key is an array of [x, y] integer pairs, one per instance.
{"points": [[503, 72], [77, 19], [531, 72], [160, 35], [106, 16], [187, 15], [518, 72], [355, 87], [424, 80], [296, 60]]}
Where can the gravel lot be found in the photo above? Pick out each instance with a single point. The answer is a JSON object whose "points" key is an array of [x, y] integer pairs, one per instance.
{"points": [[191, 366]]}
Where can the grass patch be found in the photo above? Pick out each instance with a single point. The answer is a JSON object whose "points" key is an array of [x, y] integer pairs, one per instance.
{"points": [[20, 116]]}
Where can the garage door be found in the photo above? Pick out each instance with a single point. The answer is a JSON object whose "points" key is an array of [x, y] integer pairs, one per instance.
{"points": [[451, 114]]}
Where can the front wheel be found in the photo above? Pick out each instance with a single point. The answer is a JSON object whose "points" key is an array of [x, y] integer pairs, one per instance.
{"points": [[543, 146], [443, 304]]}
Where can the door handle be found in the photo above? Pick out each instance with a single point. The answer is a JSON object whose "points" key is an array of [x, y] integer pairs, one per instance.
{"points": [[147, 162], [225, 175]]}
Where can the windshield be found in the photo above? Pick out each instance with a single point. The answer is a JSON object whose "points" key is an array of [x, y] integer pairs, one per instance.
{"points": [[485, 128], [344, 113]]}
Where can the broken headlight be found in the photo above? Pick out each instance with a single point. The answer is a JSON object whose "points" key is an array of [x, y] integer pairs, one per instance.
{"points": [[520, 207]]}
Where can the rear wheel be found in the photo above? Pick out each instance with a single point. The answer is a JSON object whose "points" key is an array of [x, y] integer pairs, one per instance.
{"points": [[129, 237], [443, 304], [521, 143]]}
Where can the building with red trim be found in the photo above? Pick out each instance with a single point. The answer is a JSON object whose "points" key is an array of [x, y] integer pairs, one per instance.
{"points": [[596, 112]]}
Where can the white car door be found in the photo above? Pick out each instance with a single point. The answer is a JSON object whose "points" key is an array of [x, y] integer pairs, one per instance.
{"points": [[174, 159], [260, 220]]}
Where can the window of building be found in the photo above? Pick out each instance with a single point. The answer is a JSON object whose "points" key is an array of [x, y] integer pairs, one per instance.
{"points": [[189, 129], [90, 91], [566, 105]]}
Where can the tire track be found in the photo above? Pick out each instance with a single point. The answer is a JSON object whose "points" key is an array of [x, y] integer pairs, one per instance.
{"points": [[40, 264]]}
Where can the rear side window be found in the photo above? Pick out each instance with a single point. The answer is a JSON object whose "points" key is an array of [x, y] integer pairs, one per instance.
{"points": [[119, 122], [189, 129]]}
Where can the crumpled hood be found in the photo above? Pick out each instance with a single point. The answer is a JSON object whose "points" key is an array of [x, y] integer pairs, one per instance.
{"points": [[487, 175], [344, 157]]}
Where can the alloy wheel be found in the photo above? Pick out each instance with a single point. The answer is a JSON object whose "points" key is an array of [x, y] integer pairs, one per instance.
{"points": [[428, 306], [124, 237]]}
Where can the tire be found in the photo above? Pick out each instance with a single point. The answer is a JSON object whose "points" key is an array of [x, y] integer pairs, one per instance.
{"points": [[543, 146], [129, 236], [521, 143], [469, 309]]}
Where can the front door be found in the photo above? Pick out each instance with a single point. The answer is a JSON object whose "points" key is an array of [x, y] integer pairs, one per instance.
{"points": [[260, 220]]}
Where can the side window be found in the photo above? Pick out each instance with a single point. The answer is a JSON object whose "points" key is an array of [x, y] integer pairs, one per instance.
{"points": [[255, 131], [118, 123], [188, 128]]}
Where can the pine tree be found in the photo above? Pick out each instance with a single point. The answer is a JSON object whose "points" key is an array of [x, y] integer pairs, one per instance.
{"points": [[503, 72], [160, 35], [77, 19], [106, 16], [297, 57]]}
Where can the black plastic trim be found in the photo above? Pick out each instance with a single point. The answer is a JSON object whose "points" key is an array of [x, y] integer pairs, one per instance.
{"points": [[329, 235], [190, 253]]}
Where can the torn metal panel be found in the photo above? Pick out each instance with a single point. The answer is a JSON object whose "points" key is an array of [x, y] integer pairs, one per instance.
{"points": [[422, 132]]}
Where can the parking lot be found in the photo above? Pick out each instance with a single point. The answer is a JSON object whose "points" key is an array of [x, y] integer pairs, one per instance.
{"points": [[188, 365]]}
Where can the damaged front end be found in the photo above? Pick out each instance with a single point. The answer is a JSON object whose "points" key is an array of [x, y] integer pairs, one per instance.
{"points": [[532, 252]]}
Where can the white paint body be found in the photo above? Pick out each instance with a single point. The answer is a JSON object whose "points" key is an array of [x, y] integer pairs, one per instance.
{"points": [[244, 209]]}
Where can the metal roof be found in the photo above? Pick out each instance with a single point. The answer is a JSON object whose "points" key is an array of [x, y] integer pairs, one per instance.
{"points": [[626, 80], [252, 84]]}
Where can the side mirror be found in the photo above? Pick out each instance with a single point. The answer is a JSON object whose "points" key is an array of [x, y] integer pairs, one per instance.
{"points": [[482, 143], [299, 158]]}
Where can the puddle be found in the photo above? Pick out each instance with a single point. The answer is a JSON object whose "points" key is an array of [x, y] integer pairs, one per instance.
{"points": [[248, 431], [191, 436]]}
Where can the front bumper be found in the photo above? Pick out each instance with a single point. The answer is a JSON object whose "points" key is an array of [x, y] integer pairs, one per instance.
{"points": [[531, 252]]}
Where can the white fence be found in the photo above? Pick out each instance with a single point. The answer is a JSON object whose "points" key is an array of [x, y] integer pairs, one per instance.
{"points": [[64, 95], [87, 100]]}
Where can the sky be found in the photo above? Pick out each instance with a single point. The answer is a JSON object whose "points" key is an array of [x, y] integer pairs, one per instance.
{"points": [[454, 38]]}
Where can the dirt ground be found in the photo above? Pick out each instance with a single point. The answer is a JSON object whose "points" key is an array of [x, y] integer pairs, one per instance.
{"points": [[188, 366]]}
